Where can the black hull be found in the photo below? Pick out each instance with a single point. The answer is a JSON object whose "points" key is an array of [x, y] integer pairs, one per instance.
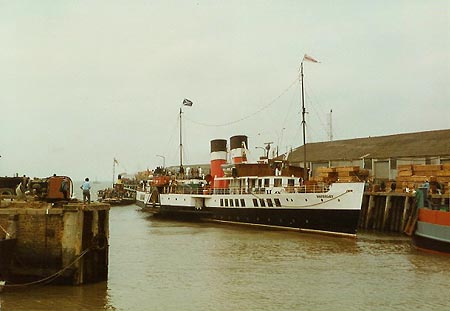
{"points": [[182, 213], [432, 245], [333, 221], [321, 220]]}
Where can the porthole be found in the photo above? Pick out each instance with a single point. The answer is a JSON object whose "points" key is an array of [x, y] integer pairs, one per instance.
{"points": [[321, 200], [339, 200], [306, 200]]}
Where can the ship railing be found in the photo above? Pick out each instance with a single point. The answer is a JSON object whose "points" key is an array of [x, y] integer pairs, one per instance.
{"points": [[316, 188], [183, 190]]}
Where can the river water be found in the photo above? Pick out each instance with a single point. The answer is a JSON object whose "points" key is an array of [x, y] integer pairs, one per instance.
{"points": [[168, 265]]}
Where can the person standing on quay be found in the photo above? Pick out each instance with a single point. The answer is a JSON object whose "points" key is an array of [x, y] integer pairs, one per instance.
{"points": [[86, 187]]}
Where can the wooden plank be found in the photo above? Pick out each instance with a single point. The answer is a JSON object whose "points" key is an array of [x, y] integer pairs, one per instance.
{"points": [[404, 167], [427, 167], [347, 169], [404, 173]]}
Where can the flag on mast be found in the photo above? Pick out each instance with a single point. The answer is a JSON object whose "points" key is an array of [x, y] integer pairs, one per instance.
{"points": [[310, 59], [187, 102]]}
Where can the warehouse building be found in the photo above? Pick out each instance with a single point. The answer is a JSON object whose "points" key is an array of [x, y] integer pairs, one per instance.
{"points": [[382, 155]]}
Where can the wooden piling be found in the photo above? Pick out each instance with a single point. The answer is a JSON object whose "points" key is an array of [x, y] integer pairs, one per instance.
{"points": [[389, 211]]}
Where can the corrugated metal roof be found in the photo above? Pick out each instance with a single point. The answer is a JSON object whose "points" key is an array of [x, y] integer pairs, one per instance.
{"points": [[421, 144]]}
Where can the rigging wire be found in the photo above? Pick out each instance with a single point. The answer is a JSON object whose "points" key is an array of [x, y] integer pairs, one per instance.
{"points": [[250, 115], [171, 141]]}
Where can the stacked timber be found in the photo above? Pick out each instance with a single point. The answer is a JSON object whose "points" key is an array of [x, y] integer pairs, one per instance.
{"points": [[413, 176], [341, 174]]}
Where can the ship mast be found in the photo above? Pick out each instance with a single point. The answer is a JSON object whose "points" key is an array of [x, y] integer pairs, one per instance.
{"points": [[186, 102], [305, 171], [310, 59], [181, 145]]}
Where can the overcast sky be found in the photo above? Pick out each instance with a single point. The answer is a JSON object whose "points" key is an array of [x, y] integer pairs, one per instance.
{"points": [[83, 82]]}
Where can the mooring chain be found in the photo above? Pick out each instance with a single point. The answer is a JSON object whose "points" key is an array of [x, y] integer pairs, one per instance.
{"points": [[96, 246]]}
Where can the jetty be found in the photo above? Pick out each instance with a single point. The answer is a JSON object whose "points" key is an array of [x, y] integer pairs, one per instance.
{"points": [[55, 240], [394, 211]]}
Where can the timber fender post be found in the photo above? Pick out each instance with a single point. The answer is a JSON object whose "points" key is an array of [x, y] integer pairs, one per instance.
{"points": [[390, 211]]}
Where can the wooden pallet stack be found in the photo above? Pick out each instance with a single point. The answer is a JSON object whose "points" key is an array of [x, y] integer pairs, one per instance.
{"points": [[341, 174], [412, 176]]}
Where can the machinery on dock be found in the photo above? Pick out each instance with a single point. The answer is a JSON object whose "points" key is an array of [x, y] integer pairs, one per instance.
{"points": [[49, 189]]}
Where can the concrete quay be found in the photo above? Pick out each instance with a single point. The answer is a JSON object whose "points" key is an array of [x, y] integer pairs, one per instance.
{"points": [[55, 242]]}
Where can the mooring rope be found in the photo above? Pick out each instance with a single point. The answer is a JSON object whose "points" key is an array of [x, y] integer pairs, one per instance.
{"points": [[49, 278], [6, 232]]}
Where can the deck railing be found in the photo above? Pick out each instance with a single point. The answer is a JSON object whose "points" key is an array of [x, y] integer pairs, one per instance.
{"points": [[317, 188]]}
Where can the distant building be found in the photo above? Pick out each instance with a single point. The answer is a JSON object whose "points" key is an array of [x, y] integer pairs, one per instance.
{"points": [[380, 155]]}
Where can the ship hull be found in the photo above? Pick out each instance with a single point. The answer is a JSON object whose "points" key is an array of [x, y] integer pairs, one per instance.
{"points": [[329, 220], [336, 211], [433, 231], [431, 244]]}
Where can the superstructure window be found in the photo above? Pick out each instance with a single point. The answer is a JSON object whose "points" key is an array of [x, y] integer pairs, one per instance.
{"points": [[266, 182], [269, 203], [236, 202], [231, 202], [221, 202], [290, 182], [226, 202], [255, 202], [261, 201], [277, 202], [242, 202], [277, 182]]}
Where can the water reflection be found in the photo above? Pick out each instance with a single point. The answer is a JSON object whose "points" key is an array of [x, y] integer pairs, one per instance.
{"points": [[88, 297]]}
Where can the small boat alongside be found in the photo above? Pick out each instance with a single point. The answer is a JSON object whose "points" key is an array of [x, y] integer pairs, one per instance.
{"points": [[120, 194], [432, 231]]}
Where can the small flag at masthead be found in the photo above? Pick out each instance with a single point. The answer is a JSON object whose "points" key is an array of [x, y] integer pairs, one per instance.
{"points": [[187, 102]]}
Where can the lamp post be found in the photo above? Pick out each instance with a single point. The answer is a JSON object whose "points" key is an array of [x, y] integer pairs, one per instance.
{"points": [[164, 159]]}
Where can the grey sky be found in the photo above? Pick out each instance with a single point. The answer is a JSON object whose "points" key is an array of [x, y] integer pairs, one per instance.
{"points": [[83, 82]]}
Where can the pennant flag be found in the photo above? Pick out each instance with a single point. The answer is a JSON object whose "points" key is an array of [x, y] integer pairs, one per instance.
{"points": [[310, 59], [187, 102], [116, 162]]}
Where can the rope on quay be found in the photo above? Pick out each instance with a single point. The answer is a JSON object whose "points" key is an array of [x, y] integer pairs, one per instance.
{"points": [[49, 278], [6, 232]]}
